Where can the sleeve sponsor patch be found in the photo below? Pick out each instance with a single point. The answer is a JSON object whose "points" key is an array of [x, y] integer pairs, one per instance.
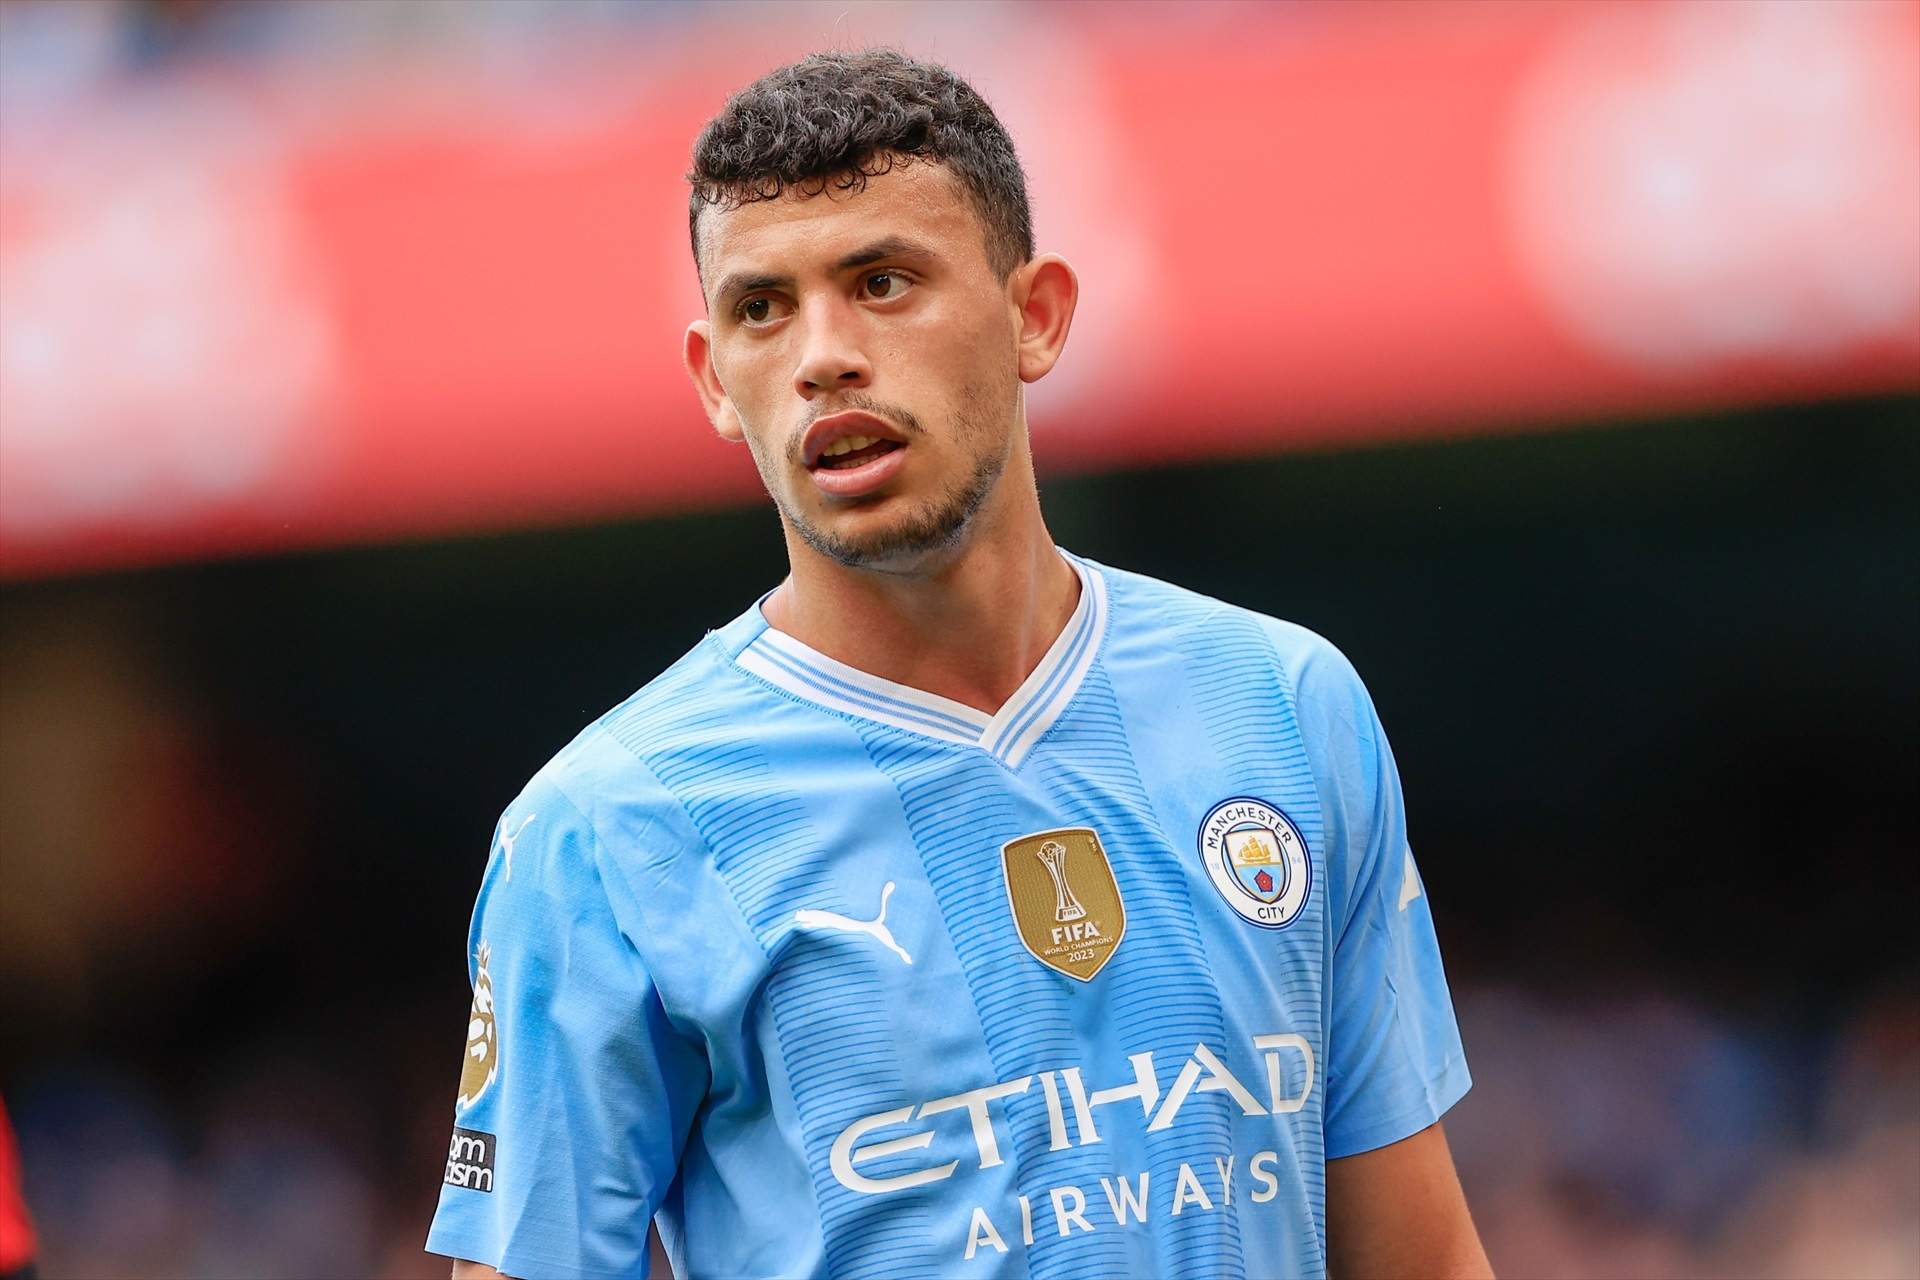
{"points": [[470, 1159]]}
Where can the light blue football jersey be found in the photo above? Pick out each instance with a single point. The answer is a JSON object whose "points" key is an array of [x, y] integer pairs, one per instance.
{"points": [[837, 977]]}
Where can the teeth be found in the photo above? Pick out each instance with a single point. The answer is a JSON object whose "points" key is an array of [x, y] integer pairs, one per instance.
{"points": [[848, 444]]}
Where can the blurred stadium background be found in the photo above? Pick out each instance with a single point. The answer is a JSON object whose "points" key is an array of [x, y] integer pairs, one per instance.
{"points": [[1560, 362]]}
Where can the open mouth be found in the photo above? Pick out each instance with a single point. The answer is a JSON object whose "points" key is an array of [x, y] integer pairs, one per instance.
{"points": [[854, 451], [853, 454]]}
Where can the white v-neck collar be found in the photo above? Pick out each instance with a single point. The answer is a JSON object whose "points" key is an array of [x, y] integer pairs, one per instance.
{"points": [[1007, 735]]}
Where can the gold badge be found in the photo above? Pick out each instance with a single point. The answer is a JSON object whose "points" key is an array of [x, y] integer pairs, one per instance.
{"points": [[1065, 900], [482, 1061]]}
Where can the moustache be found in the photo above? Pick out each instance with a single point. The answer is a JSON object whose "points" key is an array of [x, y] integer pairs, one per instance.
{"points": [[897, 415]]}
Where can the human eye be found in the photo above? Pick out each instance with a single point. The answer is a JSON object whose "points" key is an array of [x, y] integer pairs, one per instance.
{"points": [[884, 285], [758, 310]]}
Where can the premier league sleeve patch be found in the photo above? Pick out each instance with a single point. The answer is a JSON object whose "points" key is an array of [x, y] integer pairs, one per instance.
{"points": [[481, 1062], [1258, 861]]}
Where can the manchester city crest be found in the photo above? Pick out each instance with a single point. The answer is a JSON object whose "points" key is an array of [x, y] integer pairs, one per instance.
{"points": [[1258, 861]]}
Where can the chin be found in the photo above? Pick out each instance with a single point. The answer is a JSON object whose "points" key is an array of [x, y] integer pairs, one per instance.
{"points": [[890, 532], [894, 540]]}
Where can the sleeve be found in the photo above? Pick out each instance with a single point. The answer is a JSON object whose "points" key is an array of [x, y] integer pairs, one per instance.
{"points": [[1394, 1059], [576, 1091]]}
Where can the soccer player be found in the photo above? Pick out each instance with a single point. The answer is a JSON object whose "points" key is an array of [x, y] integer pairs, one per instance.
{"points": [[963, 907]]}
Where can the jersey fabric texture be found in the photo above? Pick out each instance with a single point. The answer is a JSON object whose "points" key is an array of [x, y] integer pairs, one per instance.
{"points": [[789, 956]]}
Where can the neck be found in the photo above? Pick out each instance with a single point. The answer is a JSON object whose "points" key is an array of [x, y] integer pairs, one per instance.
{"points": [[969, 625]]}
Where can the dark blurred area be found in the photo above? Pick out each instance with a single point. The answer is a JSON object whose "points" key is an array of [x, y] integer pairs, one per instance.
{"points": [[1652, 691], [1582, 417]]}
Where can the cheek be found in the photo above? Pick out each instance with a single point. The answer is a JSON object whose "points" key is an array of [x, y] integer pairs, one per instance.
{"points": [[983, 357], [951, 348], [750, 373], [970, 325], [758, 385]]}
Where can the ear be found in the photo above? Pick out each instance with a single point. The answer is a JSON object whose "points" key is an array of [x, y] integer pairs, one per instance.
{"points": [[698, 355], [1044, 294]]}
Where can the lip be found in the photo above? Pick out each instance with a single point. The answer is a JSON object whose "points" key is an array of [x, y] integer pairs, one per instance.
{"points": [[838, 426], [858, 482]]}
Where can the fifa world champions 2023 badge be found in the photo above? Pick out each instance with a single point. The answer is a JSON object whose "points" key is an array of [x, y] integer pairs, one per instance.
{"points": [[1065, 901], [1258, 861]]}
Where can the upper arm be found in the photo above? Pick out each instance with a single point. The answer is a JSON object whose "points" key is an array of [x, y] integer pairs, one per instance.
{"points": [[1398, 1211], [579, 1090], [1394, 1061], [464, 1270]]}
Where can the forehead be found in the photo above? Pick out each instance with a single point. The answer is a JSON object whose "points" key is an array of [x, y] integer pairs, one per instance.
{"points": [[796, 231]]}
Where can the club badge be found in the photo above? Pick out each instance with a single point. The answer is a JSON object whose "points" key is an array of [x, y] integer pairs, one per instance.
{"points": [[1258, 861]]}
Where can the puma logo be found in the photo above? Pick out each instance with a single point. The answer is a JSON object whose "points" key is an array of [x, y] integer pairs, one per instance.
{"points": [[507, 842], [1409, 882], [876, 927]]}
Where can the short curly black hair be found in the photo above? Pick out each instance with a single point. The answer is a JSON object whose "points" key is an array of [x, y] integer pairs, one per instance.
{"points": [[838, 119]]}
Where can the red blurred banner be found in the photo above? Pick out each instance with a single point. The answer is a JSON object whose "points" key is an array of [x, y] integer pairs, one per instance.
{"points": [[255, 307]]}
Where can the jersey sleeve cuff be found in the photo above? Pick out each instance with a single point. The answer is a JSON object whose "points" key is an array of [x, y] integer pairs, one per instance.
{"points": [[1442, 1092], [448, 1242]]}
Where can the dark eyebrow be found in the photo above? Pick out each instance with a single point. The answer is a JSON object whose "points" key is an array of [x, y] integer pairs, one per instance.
{"points": [[886, 247], [741, 282]]}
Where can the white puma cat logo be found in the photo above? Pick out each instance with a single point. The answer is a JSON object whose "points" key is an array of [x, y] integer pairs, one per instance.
{"points": [[810, 919], [506, 842], [1409, 882]]}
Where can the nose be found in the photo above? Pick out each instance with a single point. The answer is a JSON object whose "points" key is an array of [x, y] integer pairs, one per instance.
{"points": [[831, 356]]}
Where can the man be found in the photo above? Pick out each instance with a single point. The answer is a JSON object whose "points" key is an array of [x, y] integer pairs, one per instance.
{"points": [[963, 907]]}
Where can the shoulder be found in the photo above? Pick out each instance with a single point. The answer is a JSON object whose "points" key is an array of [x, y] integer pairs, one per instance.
{"points": [[1316, 675], [1238, 663], [603, 840], [608, 785], [1284, 679]]}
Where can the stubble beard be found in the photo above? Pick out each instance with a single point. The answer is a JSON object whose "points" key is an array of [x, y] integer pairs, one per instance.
{"points": [[941, 524]]}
